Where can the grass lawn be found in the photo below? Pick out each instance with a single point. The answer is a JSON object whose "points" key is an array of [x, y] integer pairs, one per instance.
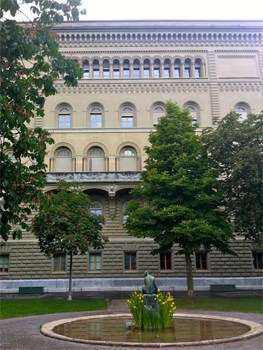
{"points": [[28, 307], [17, 308], [236, 304]]}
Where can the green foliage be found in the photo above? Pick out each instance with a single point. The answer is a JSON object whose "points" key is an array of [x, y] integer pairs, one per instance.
{"points": [[19, 308], [237, 147], [180, 192], [30, 62], [64, 223], [180, 196], [152, 318]]}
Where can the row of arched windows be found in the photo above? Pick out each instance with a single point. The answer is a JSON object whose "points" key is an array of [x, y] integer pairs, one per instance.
{"points": [[95, 160], [127, 115], [143, 68]]}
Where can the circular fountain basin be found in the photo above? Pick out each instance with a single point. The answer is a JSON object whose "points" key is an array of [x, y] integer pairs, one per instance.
{"points": [[116, 330]]}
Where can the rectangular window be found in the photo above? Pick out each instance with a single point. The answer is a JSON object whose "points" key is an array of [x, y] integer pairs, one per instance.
{"points": [[86, 74], [166, 73], [197, 72], [156, 73], [4, 263], [146, 73], [127, 122], [126, 73], [187, 72], [116, 73], [176, 72], [166, 261], [201, 261], [96, 73], [95, 121], [64, 121], [130, 261], [257, 260], [106, 73], [95, 262], [59, 263], [136, 73]]}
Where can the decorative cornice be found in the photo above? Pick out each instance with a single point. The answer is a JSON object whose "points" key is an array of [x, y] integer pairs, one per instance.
{"points": [[95, 177], [132, 87], [248, 87]]}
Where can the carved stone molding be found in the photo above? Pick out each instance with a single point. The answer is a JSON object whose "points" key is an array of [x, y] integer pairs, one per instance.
{"points": [[247, 87], [108, 88], [96, 177]]}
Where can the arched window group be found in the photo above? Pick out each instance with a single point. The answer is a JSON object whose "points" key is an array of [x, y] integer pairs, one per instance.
{"points": [[143, 68], [95, 160]]}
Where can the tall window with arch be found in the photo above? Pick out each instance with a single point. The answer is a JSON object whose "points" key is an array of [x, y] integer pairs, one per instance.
{"points": [[63, 160], [177, 68], [156, 68], [146, 68], [96, 69], [198, 67], [127, 117], [96, 208], [86, 69], [106, 69], [96, 159], [64, 118], [167, 68], [126, 69], [95, 117], [187, 68], [243, 110], [124, 208], [128, 159], [158, 112], [194, 113], [116, 69], [136, 68]]}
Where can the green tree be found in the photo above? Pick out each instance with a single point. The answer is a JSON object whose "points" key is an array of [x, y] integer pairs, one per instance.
{"points": [[65, 225], [238, 148], [179, 195], [30, 62]]}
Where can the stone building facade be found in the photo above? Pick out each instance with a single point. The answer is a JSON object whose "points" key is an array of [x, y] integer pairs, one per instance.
{"points": [[100, 128]]}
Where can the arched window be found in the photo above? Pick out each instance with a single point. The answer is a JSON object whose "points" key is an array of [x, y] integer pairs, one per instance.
{"points": [[156, 68], [128, 159], [198, 65], [85, 68], [158, 111], [64, 118], [243, 110], [96, 208], [136, 68], [124, 208], [63, 160], [177, 68], [194, 112], [116, 69], [96, 69], [10, 155], [126, 69], [96, 159], [106, 69], [146, 68], [166, 68], [127, 117], [95, 117], [187, 68]]}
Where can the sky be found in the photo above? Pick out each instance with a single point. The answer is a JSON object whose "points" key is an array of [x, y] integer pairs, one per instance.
{"points": [[173, 10]]}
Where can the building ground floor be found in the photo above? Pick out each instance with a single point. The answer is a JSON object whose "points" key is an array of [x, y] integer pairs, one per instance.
{"points": [[121, 265]]}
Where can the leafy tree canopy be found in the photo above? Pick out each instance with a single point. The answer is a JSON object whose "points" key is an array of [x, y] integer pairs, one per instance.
{"points": [[237, 146], [30, 62], [180, 195], [64, 223]]}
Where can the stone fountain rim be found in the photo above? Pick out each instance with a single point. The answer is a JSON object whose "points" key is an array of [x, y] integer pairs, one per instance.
{"points": [[255, 329]]}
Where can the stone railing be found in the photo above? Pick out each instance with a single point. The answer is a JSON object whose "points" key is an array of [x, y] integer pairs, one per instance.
{"points": [[127, 176]]}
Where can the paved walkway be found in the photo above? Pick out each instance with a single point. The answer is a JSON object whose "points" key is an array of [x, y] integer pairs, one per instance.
{"points": [[23, 333]]}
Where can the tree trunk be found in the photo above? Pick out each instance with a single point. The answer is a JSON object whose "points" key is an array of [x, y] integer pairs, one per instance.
{"points": [[189, 273], [70, 277]]}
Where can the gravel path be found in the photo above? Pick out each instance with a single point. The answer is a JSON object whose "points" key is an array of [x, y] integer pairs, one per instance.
{"points": [[23, 333]]}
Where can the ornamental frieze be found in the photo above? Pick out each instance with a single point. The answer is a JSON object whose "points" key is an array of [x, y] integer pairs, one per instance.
{"points": [[244, 87], [134, 88], [129, 176]]}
